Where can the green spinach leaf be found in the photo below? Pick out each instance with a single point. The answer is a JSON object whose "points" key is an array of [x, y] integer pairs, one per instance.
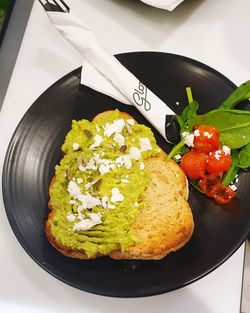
{"points": [[240, 94], [244, 157]]}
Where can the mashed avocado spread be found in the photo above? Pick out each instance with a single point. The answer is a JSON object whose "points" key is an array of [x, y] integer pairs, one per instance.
{"points": [[99, 184]]}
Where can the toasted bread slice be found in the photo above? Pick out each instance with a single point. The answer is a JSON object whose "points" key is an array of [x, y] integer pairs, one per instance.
{"points": [[164, 222]]}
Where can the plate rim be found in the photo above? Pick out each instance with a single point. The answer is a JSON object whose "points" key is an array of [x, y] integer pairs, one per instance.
{"points": [[17, 232]]}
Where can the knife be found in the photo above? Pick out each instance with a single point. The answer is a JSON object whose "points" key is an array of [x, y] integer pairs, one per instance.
{"points": [[82, 38]]}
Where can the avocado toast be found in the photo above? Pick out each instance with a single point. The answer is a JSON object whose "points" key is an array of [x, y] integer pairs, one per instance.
{"points": [[115, 193]]}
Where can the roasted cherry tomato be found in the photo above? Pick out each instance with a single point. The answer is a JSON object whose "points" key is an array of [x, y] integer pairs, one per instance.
{"points": [[218, 162], [213, 188], [206, 138], [207, 183], [193, 164]]}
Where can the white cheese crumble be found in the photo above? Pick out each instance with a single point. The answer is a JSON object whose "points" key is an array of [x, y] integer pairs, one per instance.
{"points": [[89, 185], [196, 133], [71, 217], [177, 157], [124, 160], [104, 201], [119, 138], [98, 128], [75, 146], [217, 154], [71, 202], [86, 224], [124, 180], [131, 122], [115, 127], [116, 195], [88, 201], [104, 168], [79, 181], [136, 204], [145, 144], [73, 189], [226, 150], [95, 217], [134, 153], [233, 187], [208, 135], [97, 141], [142, 166], [188, 139]]}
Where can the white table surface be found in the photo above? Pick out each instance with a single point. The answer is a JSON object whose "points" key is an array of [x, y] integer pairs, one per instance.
{"points": [[213, 32]]}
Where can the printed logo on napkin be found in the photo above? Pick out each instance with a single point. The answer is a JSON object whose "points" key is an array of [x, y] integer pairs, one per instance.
{"points": [[140, 97]]}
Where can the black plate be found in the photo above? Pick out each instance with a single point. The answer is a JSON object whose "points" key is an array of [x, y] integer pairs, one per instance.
{"points": [[34, 151]]}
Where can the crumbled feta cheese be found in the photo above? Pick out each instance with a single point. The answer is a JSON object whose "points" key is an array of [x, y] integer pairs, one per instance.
{"points": [[71, 202], [119, 138], [127, 161], [91, 165], [142, 166], [188, 139], [115, 127], [71, 217], [86, 224], [145, 144], [217, 154], [97, 141], [158, 150], [73, 189], [75, 146], [233, 187], [95, 217], [236, 180], [208, 135], [124, 180], [116, 195], [81, 168], [226, 150], [131, 121], [136, 204], [98, 128], [89, 185], [79, 180], [134, 153], [105, 200], [196, 133], [177, 157], [104, 168], [88, 201], [124, 160]]}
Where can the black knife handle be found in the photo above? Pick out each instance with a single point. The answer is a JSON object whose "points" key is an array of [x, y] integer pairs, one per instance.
{"points": [[172, 129]]}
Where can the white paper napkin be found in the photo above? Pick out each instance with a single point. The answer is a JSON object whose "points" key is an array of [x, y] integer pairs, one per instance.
{"points": [[169, 5], [104, 73]]}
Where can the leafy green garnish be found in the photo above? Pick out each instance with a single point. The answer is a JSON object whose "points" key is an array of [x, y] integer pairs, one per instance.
{"points": [[234, 127], [240, 94], [244, 157]]}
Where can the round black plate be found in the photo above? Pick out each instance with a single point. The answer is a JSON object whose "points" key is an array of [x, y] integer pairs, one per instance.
{"points": [[34, 151]]}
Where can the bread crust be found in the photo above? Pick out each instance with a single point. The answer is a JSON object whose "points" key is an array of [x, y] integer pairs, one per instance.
{"points": [[164, 224]]}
